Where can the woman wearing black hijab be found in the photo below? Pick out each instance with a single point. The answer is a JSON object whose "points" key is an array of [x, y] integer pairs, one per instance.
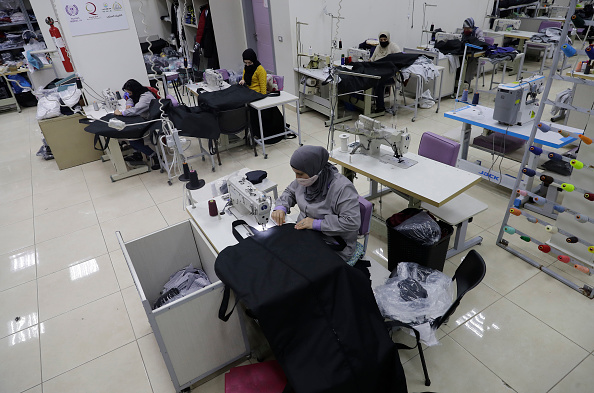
{"points": [[254, 75]]}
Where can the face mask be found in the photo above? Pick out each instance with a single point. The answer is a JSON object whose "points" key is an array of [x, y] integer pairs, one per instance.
{"points": [[307, 182], [383, 44], [467, 32]]}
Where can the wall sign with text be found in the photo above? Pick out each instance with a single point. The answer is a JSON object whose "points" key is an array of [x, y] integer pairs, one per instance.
{"points": [[90, 17]]}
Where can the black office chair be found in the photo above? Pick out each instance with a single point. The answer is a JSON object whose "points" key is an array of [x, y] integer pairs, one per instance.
{"points": [[232, 121], [468, 275]]}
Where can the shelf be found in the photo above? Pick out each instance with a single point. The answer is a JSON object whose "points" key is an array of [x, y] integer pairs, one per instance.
{"points": [[190, 25], [15, 47]]}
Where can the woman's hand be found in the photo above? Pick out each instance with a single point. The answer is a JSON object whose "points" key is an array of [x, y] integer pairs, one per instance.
{"points": [[242, 82], [117, 112], [128, 106], [278, 216], [306, 223]]}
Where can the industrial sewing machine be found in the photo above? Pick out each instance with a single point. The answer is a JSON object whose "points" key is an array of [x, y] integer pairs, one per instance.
{"points": [[506, 24], [214, 80], [358, 54], [110, 100], [318, 61], [516, 102], [246, 198], [372, 134]]}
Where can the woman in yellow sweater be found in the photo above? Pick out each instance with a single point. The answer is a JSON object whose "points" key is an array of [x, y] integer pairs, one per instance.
{"points": [[254, 75]]}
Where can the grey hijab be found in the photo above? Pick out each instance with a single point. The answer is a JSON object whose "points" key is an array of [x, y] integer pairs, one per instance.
{"points": [[313, 160]]}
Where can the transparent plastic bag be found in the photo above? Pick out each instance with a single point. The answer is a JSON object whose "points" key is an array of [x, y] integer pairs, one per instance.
{"points": [[48, 106], [416, 295], [421, 228]]}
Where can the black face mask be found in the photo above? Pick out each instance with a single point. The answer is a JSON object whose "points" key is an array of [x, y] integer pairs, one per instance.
{"points": [[383, 44], [250, 68]]}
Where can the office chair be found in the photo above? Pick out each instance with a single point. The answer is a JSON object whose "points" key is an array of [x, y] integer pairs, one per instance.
{"points": [[365, 208], [232, 121], [468, 275]]}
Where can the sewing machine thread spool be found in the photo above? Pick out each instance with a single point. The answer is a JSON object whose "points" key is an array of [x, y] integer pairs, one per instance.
{"points": [[559, 208], [344, 142], [544, 127], [546, 179], [537, 151], [568, 187], [578, 67], [577, 20], [509, 230], [118, 95], [565, 134], [569, 50], [590, 52], [464, 95], [581, 218], [585, 139], [475, 99], [556, 156], [564, 258], [551, 229], [544, 248], [515, 212], [588, 68], [212, 208], [539, 200], [194, 182], [523, 192], [589, 196], [572, 239], [576, 164], [529, 172], [582, 268], [186, 175], [533, 220], [525, 238], [591, 249], [95, 106]]}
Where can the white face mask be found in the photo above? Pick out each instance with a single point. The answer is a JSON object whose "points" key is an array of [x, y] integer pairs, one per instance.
{"points": [[307, 182]]}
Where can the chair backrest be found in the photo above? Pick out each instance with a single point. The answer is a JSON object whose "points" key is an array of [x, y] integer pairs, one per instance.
{"points": [[224, 73], [489, 40], [233, 121], [366, 208], [174, 101], [439, 148], [468, 275], [545, 24]]}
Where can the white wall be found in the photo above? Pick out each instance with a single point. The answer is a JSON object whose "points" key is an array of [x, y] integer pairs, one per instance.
{"points": [[229, 29], [105, 59], [153, 10]]}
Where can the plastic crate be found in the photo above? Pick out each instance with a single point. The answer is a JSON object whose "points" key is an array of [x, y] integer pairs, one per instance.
{"points": [[403, 249]]}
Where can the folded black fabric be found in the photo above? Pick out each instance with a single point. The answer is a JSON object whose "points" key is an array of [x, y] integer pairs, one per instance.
{"points": [[232, 97], [133, 131]]}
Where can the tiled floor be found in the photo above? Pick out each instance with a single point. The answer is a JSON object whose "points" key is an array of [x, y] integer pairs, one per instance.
{"points": [[72, 316]]}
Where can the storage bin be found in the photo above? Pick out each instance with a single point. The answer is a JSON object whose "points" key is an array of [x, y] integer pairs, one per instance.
{"points": [[403, 249], [194, 342]]}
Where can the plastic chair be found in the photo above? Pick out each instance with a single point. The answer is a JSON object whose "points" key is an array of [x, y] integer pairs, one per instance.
{"points": [[468, 275], [224, 73], [439, 148], [230, 122], [366, 208], [545, 24]]}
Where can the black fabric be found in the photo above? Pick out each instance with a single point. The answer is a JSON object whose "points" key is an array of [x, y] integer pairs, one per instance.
{"points": [[256, 177], [272, 123], [156, 46], [27, 99], [318, 314], [173, 17], [232, 97], [130, 132], [208, 42]]}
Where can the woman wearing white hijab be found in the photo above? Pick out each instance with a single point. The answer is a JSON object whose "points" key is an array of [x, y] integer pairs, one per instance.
{"points": [[328, 201]]}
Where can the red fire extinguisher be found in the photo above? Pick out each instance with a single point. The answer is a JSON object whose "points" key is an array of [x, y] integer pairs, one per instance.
{"points": [[59, 41]]}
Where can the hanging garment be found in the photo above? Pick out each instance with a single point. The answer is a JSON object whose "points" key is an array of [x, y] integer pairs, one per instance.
{"points": [[204, 10]]}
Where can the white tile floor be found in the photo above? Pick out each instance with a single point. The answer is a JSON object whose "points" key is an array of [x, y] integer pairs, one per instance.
{"points": [[73, 321]]}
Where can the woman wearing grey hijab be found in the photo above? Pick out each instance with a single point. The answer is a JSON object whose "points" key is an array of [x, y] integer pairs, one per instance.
{"points": [[328, 201]]}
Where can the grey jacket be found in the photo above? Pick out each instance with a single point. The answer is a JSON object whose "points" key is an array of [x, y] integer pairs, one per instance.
{"points": [[142, 106]]}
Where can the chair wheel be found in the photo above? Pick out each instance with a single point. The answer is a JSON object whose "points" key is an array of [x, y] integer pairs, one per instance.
{"points": [[213, 168], [413, 119], [203, 158], [265, 156], [162, 170], [169, 182]]}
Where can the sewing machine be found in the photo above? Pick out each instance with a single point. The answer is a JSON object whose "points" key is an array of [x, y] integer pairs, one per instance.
{"points": [[507, 24], [246, 198], [318, 61], [516, 102], [442, 36], [372, 134], [110, 100], [214, 80], [358, 54]]}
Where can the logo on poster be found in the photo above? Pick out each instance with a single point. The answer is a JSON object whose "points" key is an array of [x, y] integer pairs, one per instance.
{"points": [[91, 8], [117, 6], [71, 10]]}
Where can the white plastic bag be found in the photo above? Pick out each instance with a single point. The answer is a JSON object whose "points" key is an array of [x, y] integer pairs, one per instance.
{"points": [[48, 106], [70, 96], [426, 100]]}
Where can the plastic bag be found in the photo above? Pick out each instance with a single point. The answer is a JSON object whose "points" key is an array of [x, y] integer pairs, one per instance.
{"points": [[416, 295], [426, 100], [70, 96], [421, 228], [48, 106]]}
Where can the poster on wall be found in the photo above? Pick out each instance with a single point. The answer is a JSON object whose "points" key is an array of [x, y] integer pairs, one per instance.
{"points": [[90, 17]]}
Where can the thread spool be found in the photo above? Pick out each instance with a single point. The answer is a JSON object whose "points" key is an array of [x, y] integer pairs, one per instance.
{"points": [[475, 99], [194, 182], [515, 212], [525, 238], [576, 164], [578, 21], [118, 95], [546, 179], [529, 172], [535, 150], [533, 220], [585, 139], [186, 175], [344, 142], [544, 248], [212, 208], [555, 156], [569, 50], [591, 249], [551, 229], [464, 95], [539, 200], [509, 230], [564, 258], [523, 192], [559, 208], [544, 127], [589, 196], [590, 51], [572, 239], [582, 269], [578, 67], [95, 106], [565, 134], [568, 187], [588, 69], [517, 202], [581, 218]]}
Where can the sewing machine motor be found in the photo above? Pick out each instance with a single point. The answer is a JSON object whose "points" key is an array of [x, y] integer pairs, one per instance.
{"points": [[516, 102]]}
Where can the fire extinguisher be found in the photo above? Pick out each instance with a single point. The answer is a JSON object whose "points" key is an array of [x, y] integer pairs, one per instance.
{"points": [[59, 41]]}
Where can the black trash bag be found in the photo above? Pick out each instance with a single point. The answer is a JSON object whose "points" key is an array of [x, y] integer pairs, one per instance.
{"points": [[421, 228]]}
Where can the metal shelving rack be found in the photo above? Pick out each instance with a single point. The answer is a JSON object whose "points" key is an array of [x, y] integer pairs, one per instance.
{"points": [[27, 22], [583, 265]]}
